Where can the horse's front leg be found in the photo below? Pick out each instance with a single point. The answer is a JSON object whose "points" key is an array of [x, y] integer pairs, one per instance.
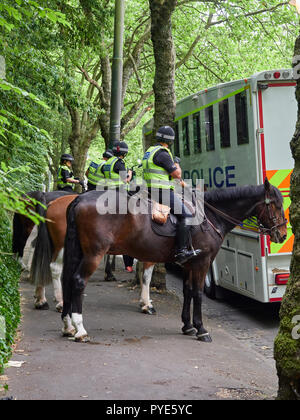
{"points": [[187, 328], [198, 282], [56, 270], [145, 301], [28, 255]]}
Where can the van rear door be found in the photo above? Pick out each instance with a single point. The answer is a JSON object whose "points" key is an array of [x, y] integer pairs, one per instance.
{"points": [[277, 118]]}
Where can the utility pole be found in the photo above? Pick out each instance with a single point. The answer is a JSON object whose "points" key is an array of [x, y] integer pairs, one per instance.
{"points": [[117, 73]]}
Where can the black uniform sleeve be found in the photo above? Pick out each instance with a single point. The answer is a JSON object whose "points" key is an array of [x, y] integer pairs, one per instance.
{"points": [[163, 159], [120, 168], [65, 175]]}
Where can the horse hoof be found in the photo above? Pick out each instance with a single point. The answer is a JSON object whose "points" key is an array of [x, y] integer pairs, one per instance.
{"points": [[59, 308], [191, 331], [42, 306], [205, 338], [82, 339], [70, 333], [149, 311], [110, 278]]}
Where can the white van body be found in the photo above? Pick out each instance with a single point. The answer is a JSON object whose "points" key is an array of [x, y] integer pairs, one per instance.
{"points": [[236, 134]]}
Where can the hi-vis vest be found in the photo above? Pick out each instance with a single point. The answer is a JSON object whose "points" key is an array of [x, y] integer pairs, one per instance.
{"points": [[99, 177], [96, 176], [60, 182], [154, 175], [92, 179], [113, 180]]}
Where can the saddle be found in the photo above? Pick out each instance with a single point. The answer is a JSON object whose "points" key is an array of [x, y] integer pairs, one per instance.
{"points": [[163, 222], [160, 213]]}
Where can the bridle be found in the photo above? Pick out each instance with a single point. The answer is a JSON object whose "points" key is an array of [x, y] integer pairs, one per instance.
{"points": [[267, 208]]}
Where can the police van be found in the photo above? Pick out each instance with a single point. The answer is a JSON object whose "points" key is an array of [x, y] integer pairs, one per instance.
{"points": [[236, 134]]}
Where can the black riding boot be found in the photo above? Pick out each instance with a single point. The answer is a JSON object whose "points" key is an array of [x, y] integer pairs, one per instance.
{"points": [[183, 254]]}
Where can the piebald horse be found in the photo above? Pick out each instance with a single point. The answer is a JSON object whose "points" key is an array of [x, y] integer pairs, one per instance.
{"points": [[46, 266], [91, 234], [24, 234]]}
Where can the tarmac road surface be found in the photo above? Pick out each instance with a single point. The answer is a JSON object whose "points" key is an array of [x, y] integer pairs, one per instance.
{"points": [[133, 356]]}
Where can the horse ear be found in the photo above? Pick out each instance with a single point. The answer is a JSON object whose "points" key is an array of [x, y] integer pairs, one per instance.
{"points": [[267, 185]]}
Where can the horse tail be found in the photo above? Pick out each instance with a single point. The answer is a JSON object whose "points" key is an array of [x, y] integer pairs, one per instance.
{"points": [[40, 272], [18, 241], [20, 236], [72, 257]]}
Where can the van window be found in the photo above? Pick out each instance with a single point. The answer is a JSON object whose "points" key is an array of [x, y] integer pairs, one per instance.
{"points": [[241, 118], [197, 133], [185, 136], [224, 123], [209, 128]]}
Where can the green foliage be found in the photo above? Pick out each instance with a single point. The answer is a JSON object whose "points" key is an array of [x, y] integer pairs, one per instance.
{"points": [[25, 143], [236, 39], [9, 292]]}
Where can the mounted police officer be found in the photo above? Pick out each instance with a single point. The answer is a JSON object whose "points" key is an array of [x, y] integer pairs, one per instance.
{"points": [[114, 169], [65, 178], [159, 168], [94, 173]]}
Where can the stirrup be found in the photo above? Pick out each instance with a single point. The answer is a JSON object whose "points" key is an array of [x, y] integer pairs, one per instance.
{"points": [[183, 255]]}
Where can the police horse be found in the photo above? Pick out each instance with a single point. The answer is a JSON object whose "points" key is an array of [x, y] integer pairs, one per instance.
{"points": [[43, 245], [24, 239], [91, 235], [46, 266]]}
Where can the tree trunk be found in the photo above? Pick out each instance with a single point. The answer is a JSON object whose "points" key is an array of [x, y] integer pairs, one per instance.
{"points": [[287, 342], [164, 55], [164, 79]]}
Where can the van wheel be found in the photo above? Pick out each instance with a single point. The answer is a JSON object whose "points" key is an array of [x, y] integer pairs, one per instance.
{"points": [[210, 285]]}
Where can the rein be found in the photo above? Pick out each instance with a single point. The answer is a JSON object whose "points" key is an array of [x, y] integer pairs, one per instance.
{"points": [[263, 230]]}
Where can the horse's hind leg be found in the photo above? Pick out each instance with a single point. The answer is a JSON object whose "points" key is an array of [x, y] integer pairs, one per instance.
{"points": [[87, 267], [145, 301]]}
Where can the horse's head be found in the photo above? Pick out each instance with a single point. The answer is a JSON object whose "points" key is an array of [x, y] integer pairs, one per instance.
{"points": [[270, 214]]}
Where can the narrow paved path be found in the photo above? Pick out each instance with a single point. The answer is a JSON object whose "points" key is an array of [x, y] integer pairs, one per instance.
{"points": [[132, 356]]}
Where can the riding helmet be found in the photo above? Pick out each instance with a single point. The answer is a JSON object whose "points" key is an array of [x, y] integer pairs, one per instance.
{"points": [[66, 156], [165, 134], [108, 153], [120, 148]]}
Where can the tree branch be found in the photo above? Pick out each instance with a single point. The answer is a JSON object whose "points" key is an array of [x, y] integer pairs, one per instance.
{"points": [[257, 12], [135, 122], [134, 109]]}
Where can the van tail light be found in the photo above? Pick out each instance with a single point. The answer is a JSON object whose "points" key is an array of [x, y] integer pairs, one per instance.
{"points": [[282, 278]]}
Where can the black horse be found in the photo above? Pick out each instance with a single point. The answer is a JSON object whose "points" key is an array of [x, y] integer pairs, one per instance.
{"points": [[91, 235]]}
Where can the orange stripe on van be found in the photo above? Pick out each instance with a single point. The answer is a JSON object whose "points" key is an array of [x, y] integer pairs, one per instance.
{"points": [[286, 182], [288, 245], [270, 174], [281, 179]]}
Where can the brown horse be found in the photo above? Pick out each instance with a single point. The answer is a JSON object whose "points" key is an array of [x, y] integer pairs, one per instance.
{"points": [[91, 234], [47, 259]]}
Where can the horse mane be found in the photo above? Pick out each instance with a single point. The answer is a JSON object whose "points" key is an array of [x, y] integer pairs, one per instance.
{"points": [[236, 193]]}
